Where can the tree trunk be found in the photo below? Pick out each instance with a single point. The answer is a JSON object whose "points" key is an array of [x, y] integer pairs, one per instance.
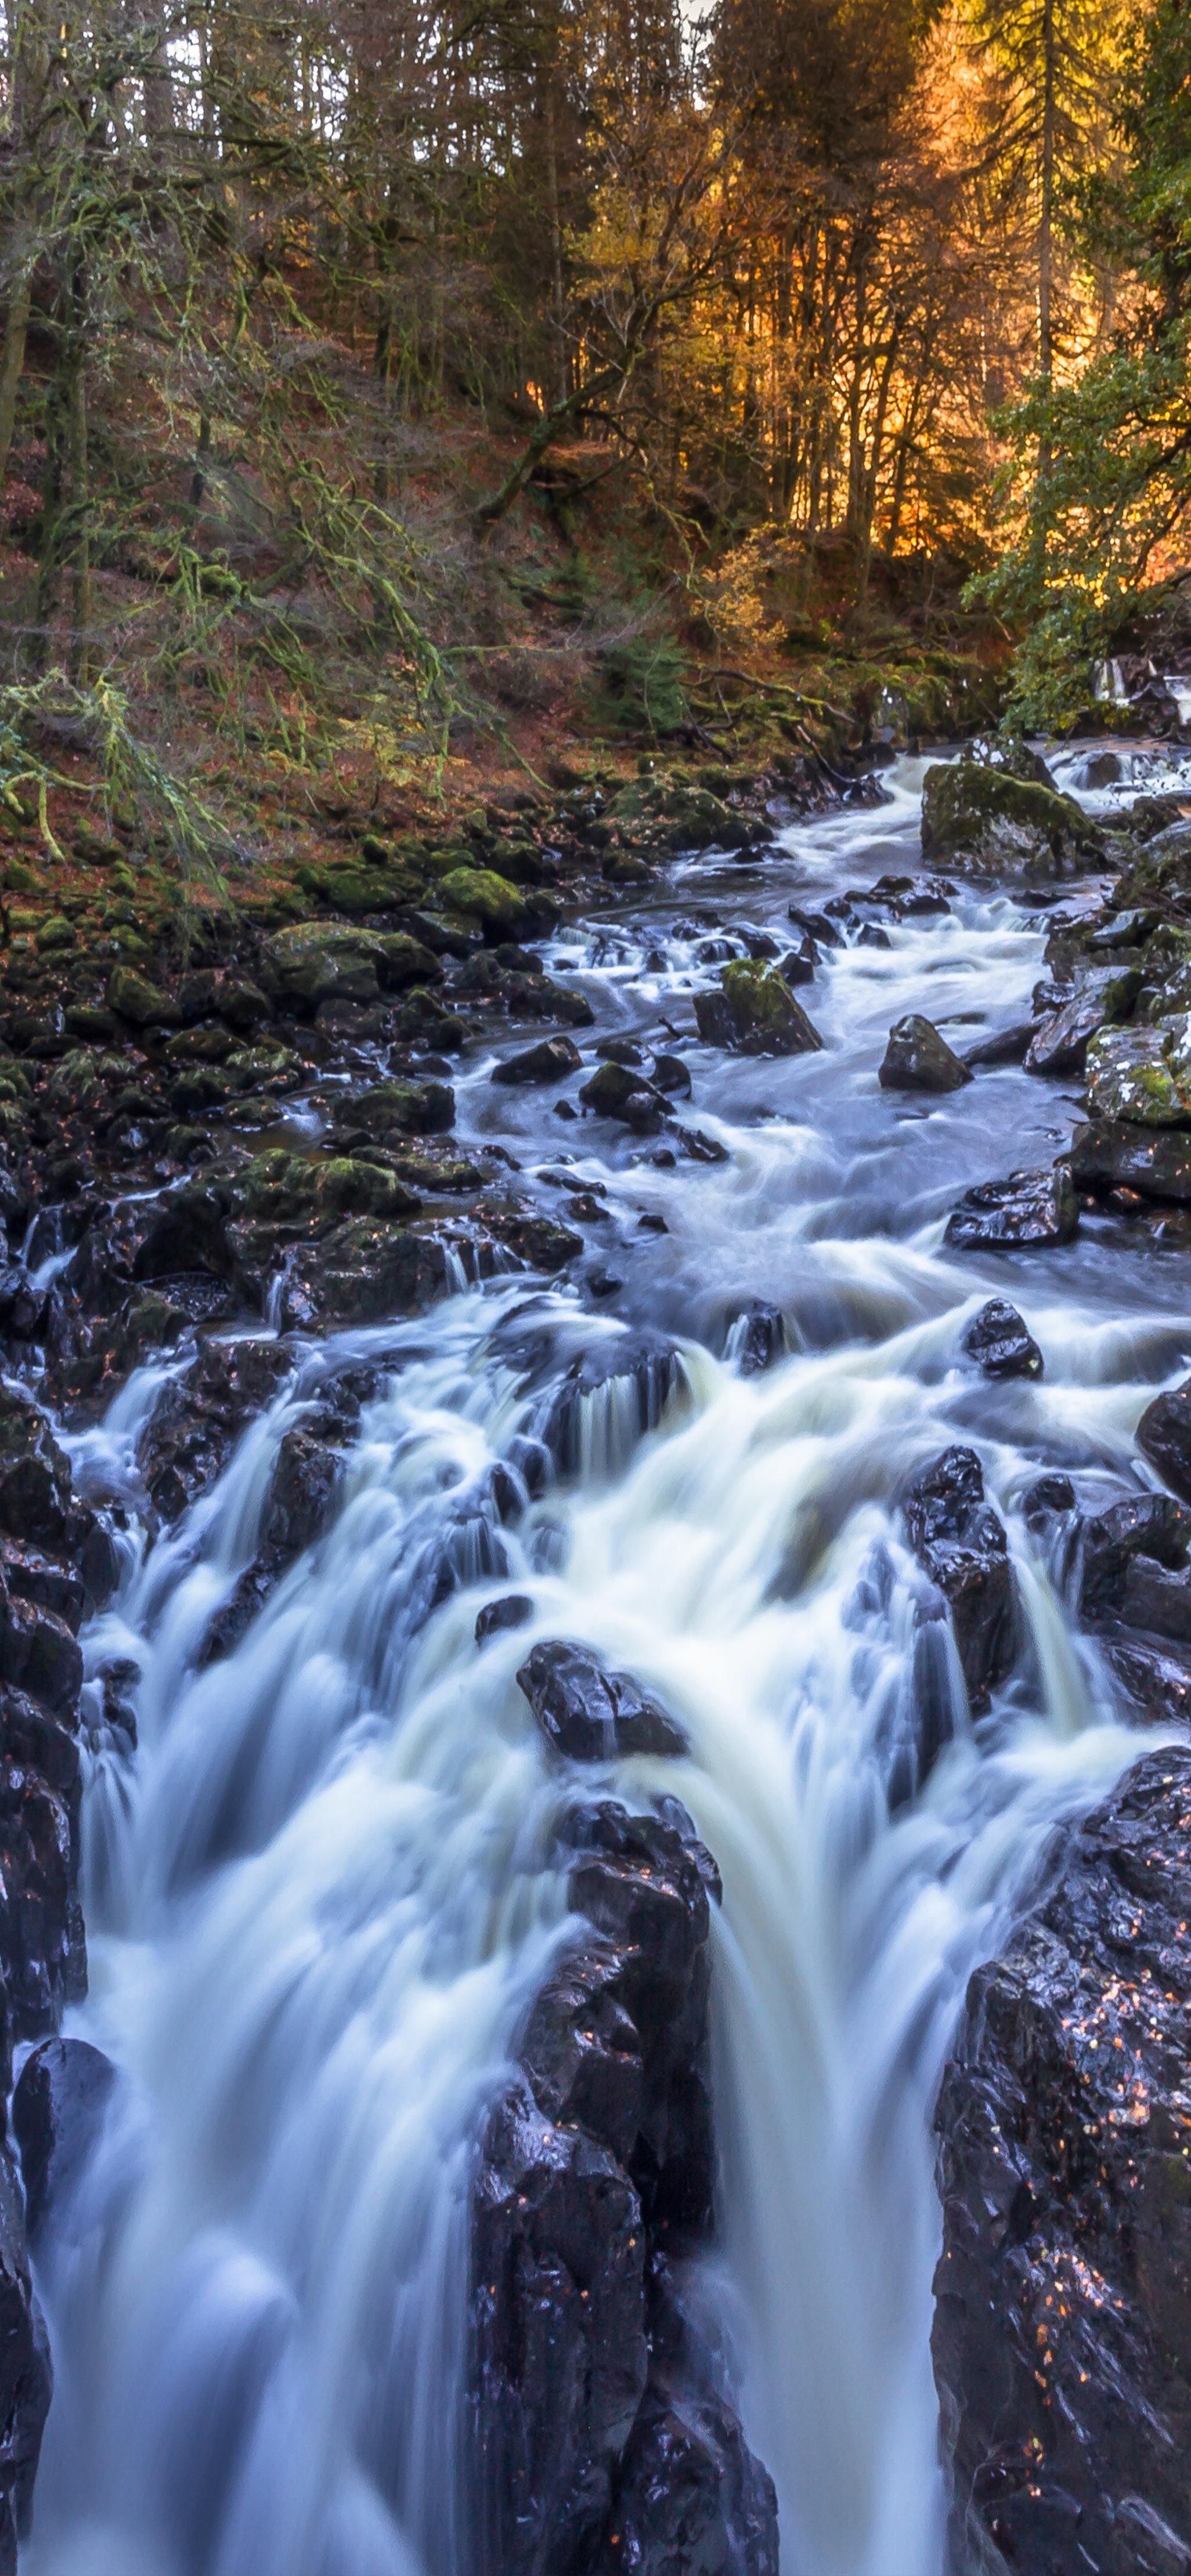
{"points": [[1046, 201], [12, 364]]}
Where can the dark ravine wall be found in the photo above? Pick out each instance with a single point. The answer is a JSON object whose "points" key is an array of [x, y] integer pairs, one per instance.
{"points": [[1062, 2340], [56, 1563]]}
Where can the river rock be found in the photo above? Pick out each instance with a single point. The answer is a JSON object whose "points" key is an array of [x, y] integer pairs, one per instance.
{"points": [[588, 1712], [960, 1542], [550, 1061], [918, 1059], [1000, 1343], [602, 2438], [365, 1271], [1002, 1046], [1164, 1437], [1060, 1043], [618, 1091], [755, 1013], [1118, 1154], [1062, 2335], [1149, 1525], [997, 813], [513, 1610], [1028, 1211], [134, 998], [321, 961], [57, 2110], [396, 1109]]}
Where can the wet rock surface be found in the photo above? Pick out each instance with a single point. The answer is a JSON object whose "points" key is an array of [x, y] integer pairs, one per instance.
{"points": [[1028, 1211], [959, 1541], [1062, 2338], [590, 1713], [603, 2433], [917, 1058], [998, 813], [1000, 1342]]}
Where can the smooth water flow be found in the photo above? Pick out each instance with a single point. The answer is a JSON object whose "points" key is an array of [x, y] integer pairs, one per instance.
{"points": [[322, 1891]]}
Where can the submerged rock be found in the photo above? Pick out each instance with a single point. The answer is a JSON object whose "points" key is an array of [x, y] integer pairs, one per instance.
{"points": [[918, 1059], [610, 1396], [550, 1061], [590, 1713], [1000, 1343], [755, 1013], [1062, 2334], [603, 2434], [1029, 1210], [960, 1542], [757, 1338]]}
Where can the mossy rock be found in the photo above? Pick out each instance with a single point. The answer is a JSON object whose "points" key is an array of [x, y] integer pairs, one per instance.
{"points": [[83, 1082], [485, 897], [981, 815], [366, 1271], [134, 998], [755, 1013], [21, 878], [281, 1188], [319, 961], [399, 1109], [55, 936], [1142, 1074], [362, 890]]}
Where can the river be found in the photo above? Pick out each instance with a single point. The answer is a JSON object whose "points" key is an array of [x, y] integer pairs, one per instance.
{"points": [[321, 1892]]}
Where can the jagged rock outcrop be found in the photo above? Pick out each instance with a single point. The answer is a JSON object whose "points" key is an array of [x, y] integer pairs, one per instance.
{"points": [[1062, 2336], [603, 2436], [1029, 1211], [1000, 1343]]}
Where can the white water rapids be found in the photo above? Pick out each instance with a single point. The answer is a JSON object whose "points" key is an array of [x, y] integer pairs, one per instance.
{"points": [[322, 1891]]}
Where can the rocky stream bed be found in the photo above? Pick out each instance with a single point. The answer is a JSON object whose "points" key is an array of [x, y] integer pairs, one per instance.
{"points": [[595, 1645]]}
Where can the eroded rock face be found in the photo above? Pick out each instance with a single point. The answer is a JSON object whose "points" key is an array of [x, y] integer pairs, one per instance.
{"points": [[1062, 2338], [960, 1542], [1164, 1437], [603, 2438]]}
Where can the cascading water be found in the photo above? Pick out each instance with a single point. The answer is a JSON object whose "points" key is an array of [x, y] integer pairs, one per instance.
{"points": [[322, 1890]]}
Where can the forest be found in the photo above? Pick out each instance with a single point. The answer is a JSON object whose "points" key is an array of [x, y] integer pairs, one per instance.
{"points": [[391, 389]]}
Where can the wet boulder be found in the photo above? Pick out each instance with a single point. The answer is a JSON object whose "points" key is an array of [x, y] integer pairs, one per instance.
{"points": [[1150, 1525], [1060, 1043], [35, 1483], [550, 1061], [1000, 1343], [512, 1610], [1002, 814], [1142, 1074], [917, 1058], [58, 2109], [609, 1397], [1062, 2331], [396, 1109], [1029, 1211], [1000, 1047], [365, 1271], [755, 1013], [960, 1542], [1114, 1154], [590, 1713], [619, 1091], [1164, 1437]]}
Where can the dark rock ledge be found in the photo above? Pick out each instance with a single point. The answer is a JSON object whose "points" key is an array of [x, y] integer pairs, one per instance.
{"points": [[604, 2437], [1062, 2338]]}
